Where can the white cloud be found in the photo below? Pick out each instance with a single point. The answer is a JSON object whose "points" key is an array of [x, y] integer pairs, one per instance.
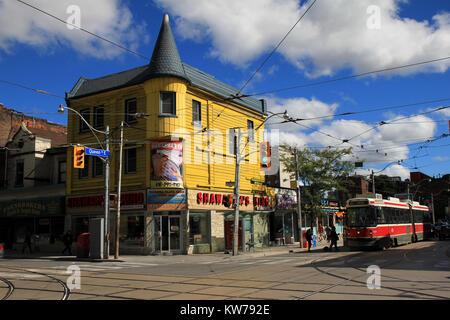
{"points": [[374, 145], [108, 18], [299, 108], [333, 34], [398, 171], [441, 159], [393, 171], [444, 113]]}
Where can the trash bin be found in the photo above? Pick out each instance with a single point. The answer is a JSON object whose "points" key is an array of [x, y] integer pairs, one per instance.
{"points": [[2, 250], [83, 245]]}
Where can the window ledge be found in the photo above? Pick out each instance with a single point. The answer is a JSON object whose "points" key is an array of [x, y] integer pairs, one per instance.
{"points": [[167, 116]]}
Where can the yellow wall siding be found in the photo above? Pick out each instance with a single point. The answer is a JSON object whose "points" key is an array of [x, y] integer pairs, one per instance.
{"points": [[217, 115]]}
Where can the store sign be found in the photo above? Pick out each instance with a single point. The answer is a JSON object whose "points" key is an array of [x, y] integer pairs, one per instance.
{"points": [[286, 199], [263, 203], [166, 199], [32, 207], [91, 201], [217, 201], [131, 201], [220, 199]]}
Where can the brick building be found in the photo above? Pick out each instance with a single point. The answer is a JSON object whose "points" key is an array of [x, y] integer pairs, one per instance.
{"points": [[10, 122], [33, 166]]}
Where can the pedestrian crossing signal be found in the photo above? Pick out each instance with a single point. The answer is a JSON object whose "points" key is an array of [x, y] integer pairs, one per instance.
{"points": [[264, 153], [78, 157]]}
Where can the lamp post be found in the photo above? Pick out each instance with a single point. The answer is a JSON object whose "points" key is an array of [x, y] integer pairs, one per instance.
{"points": [[107, 176], [237, 180], [299, 204]]}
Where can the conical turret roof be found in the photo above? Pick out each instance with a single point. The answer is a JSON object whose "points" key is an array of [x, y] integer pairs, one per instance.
{"points": [[165, 59]]}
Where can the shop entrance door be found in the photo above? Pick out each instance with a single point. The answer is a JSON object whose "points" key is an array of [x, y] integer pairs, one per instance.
{"points": [[167, 233], [229, 230]]}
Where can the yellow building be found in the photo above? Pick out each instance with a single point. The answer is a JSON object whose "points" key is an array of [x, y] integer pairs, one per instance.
{"points": [[178, 160]]}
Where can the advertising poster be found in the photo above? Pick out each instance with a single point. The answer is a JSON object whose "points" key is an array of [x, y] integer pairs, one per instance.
{"points": [[166, 164]]}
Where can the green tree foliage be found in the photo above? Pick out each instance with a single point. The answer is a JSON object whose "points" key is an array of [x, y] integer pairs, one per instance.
{"points": [[386, 186], [320, 171]]}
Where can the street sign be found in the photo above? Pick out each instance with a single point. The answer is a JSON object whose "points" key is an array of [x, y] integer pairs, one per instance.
{"points": [[97, 152]]}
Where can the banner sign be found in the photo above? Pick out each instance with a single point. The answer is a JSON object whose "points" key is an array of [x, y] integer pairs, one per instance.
{"points": [[33, 207], [166, 199], [166, 164]]}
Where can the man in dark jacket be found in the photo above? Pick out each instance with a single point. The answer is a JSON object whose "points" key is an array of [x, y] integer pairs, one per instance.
{"points": [[334, 238], [67, 240], [27, 242], [308, 237]]}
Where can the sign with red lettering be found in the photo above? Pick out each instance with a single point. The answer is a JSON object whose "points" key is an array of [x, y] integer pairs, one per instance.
{"points": [[263, 203], [128, 201], [217, 201]]}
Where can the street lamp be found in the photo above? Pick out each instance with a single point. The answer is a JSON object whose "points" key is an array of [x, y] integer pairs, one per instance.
{"points": [[237, 180], [107, 175]]}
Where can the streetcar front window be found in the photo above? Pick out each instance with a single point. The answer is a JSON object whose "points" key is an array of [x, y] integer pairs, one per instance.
{"points": [[361, 217]]}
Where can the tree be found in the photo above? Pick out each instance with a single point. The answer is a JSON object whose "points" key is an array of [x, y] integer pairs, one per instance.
{"points": [[385, 185], [320, 171]]}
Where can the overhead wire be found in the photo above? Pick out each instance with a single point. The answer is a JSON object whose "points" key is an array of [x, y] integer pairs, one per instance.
{"points": [[346, 77], [370, 110], [276, 48]]}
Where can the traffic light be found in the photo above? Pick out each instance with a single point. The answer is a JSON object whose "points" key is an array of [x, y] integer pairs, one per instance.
{"points": [[78, 157], [264, 153]]}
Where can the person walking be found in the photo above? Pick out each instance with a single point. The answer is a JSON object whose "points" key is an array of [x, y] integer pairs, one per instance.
{"points": [[67, 240], [27, 242], [308, 237], [334, 238], [328, 231]]}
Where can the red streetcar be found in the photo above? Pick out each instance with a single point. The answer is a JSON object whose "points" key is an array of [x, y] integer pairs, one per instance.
{"points": [[382, 223]]}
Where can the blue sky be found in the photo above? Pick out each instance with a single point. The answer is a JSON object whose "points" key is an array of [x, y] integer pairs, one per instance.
{"points": [[230, 40]]}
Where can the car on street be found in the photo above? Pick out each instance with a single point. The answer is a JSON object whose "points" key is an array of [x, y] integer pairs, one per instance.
{"points": [[443, 230]]}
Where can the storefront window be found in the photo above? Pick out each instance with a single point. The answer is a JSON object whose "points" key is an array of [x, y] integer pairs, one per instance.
{"points": [[198, 226], [132, 230], [81, 225]]}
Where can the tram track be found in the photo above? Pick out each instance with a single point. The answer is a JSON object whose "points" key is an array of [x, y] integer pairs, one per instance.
{"points": [[355, 278], [12, 288]]}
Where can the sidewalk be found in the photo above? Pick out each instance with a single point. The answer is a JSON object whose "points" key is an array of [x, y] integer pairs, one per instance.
{"points": [[258, 252]]}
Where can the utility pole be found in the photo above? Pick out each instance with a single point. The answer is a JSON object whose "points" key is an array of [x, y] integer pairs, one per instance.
{"points": [[299, 204], [236, 194], [432, 207], [119, 189], [373, 184], [106, 223], [411, 203]]}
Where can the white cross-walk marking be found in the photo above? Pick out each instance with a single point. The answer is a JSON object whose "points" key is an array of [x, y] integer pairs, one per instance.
{"points": [[10, 275], [90, 267]]}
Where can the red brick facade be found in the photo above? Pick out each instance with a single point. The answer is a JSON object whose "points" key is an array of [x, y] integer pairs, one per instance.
{"points": [[10, 121]]}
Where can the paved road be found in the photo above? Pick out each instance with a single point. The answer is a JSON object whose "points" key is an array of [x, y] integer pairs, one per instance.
{"points": [[415, 271]]}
